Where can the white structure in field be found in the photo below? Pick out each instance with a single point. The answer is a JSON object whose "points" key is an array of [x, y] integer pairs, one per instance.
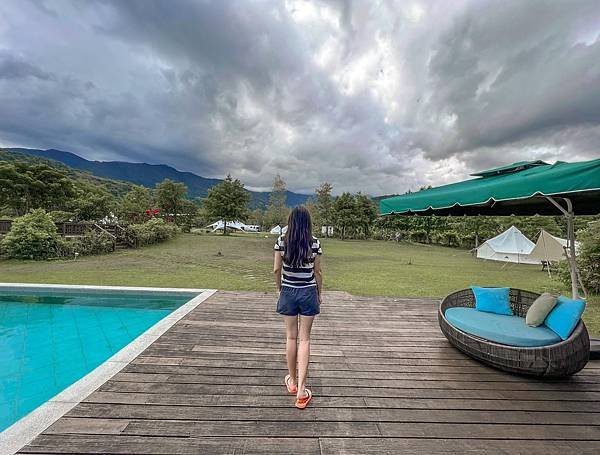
{"points": [[233, 225], [279, 230], [510, 246]]}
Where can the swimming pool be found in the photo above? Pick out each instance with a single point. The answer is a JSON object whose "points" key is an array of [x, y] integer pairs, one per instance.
{"points": [[51, 338]]}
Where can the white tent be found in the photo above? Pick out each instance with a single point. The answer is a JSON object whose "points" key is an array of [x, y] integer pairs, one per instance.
{"points": [[218, 226], [279, 230], [510, 246], [549, 248]]}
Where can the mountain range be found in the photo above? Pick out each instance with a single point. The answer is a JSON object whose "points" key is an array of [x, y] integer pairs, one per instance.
{"points": [[150, 174]]}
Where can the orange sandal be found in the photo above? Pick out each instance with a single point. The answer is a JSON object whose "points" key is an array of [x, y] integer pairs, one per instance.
{"points": [[292, 388], [301, 403]]}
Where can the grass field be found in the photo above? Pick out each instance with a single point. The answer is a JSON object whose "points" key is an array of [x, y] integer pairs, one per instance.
{"points": [[245, 263]]}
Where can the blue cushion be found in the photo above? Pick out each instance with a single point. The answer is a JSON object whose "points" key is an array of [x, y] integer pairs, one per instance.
{"points": [[565, 315], [492, 300], [500, 328]]}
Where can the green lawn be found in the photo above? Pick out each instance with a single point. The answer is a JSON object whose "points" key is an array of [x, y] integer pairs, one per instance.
{"points": [[245, 263]]}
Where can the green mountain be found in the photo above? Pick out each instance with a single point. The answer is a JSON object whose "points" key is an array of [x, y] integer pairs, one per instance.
{"points": [[149, 175]]}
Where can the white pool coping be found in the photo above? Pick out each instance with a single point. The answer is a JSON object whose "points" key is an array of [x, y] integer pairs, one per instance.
{"points": [[24, 430]]}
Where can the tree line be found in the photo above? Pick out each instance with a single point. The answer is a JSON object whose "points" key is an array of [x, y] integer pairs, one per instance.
{"points": [[27, 186]]}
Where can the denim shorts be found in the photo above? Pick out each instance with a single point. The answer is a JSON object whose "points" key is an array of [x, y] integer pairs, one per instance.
{"points": [[294, 301]]}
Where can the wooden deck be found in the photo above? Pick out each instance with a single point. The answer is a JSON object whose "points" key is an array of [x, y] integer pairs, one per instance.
{"points": [[385, 381]]}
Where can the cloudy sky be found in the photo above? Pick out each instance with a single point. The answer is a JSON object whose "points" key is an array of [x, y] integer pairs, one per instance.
{"points": [[372, 96]]}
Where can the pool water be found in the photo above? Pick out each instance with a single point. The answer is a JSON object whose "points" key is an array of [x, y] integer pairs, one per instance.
{"points": [[49, 341]]}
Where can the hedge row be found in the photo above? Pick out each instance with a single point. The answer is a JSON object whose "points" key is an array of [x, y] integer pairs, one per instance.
{"points": [[152, 231], [34, 236]]}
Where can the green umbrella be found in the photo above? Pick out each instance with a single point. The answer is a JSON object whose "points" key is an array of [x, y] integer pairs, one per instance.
{"points": [[523, 188]]}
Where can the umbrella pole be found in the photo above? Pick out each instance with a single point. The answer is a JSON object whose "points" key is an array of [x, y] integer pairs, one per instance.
{"points": [[569, 215]]}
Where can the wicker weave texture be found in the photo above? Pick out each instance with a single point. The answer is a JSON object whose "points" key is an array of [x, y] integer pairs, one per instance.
{"points": [[557, 360]]}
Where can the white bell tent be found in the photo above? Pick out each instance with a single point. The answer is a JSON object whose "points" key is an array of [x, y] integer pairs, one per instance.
{"points": [[279, 230], [550, 248], [510, 246]]}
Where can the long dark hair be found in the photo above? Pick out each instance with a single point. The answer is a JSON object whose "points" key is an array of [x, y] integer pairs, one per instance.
{"points": [[298, 238]]}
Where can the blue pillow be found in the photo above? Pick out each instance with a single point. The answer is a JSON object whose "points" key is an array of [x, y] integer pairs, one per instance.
{"points": [[492, 300], [563, 319]]}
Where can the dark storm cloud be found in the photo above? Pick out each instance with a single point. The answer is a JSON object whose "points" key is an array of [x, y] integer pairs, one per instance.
{"points": [[12, 67], [513, 73], [372, 96]]}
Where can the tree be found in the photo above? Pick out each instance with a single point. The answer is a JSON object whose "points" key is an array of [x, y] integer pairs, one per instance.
{"points": [[227, 201], [170, 196], [25, 186], [475, 229], [188, 211], [134, 204], [344, 213], [430, 226], [366, 213], [314, 216], [324, 204], [588, 259], [92, 203], [257, 216], [32, 236], [277, 212]]}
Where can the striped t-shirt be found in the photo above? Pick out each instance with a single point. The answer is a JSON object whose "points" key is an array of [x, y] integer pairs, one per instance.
{"points": [[299, 277]]}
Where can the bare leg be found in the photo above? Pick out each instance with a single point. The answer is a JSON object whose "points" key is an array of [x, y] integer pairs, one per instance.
{"points": [[291, 329], [304, 352]]}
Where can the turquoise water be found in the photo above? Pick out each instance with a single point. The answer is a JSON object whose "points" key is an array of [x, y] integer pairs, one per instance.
{"points": [[49, 341]]}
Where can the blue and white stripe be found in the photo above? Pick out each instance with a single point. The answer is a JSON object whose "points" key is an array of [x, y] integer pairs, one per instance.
{"points": [[299, 277]]}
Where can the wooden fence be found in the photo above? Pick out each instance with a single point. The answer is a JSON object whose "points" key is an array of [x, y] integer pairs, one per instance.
{"points": [[5, 226]]}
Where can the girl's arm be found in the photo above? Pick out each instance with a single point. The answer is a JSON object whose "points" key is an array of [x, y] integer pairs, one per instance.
{"points": [[277, 265], [319, 276]]}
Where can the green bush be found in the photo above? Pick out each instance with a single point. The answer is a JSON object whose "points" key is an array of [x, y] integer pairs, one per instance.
{"points": [[93, 242], [152, 231], [448, 238], [33, 236], [588, 259], [65, 248], [419, 235]]}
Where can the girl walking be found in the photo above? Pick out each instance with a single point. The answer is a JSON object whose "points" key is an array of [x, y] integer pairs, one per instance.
{"points": [[297, 268]]}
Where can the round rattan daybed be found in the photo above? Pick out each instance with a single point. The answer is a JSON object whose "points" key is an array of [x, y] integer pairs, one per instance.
{"points": [[555, 360]]}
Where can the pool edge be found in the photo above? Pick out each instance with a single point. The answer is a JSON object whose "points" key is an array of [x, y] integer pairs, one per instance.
{"points": [[24, 430]]}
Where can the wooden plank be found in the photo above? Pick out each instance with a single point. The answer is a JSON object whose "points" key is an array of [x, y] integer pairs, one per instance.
{"points": [[184, 412], [375, 363], [100, 444], [273, 354], [341, 370], [130, 372], [355, 391], [263, 428], [417, 446], [280, 400], [493, 431], [409, 383], [88, 426]]}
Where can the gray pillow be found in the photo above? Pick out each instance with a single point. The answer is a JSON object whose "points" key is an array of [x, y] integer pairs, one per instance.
{"points": [[539, 309]]}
